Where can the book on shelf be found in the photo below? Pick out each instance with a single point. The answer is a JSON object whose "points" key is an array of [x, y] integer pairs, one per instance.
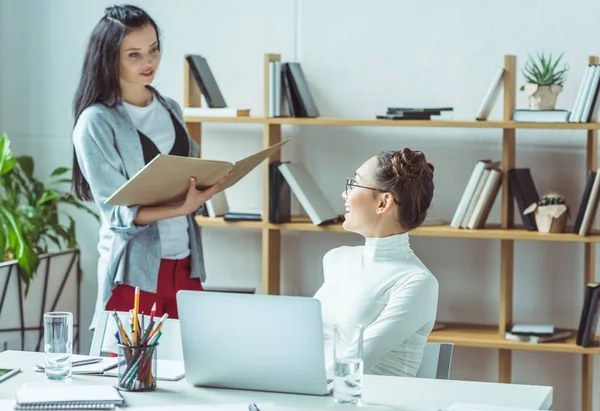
{"points": [[491, 95], [588, 205], [413, 113], [585, 107], [478, 196], [558, 335], [210, 91], [309, 194], [588, 319], [289, 92], [166, 179], [525, 193], [242, 216], [540, 116], [280, 197]]}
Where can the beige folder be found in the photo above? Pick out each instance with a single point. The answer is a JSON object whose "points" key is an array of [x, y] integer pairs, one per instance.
{"points": [[166, 179]]}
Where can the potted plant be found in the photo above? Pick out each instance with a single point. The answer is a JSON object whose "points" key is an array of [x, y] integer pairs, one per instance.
{"points": [[551, 213], [544, 81], [36, 238], [29, 212]]}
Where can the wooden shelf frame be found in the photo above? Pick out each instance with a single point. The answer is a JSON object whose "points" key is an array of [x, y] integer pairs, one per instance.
{"points": [[467, 335]]}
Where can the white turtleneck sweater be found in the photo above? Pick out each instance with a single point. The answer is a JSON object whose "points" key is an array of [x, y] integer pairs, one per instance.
{"points": [[385, 287]]}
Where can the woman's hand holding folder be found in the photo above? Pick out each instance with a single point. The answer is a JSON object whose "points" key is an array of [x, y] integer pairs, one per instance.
{"points": [[193, 201], [197, 198]]}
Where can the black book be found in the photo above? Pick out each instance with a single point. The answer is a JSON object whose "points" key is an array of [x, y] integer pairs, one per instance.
{"points": [[589, 331], [206, 81], [525, 194], [280, 195], [585, 198], [300, 89], [590, 290]]}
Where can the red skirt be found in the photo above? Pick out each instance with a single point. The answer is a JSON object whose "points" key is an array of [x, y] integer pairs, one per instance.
{"points": [[173, 275]]}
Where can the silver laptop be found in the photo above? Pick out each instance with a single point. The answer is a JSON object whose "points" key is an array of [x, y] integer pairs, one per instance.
{"points": [[254, 342]]}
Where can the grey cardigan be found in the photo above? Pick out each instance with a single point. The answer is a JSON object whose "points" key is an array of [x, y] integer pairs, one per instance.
{"points": [[109, 152]]}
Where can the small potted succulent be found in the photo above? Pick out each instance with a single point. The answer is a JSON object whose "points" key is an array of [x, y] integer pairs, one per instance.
{"points": [[544, 81], [551, 213]]}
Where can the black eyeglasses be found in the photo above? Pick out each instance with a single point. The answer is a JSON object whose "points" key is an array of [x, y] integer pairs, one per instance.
{"points": [[351, 182]]}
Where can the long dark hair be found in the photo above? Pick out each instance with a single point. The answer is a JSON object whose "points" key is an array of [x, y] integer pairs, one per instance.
{"points": [[99, 81]]}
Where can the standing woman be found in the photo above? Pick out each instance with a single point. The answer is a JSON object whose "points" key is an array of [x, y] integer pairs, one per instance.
{"points": [[121, 123]]}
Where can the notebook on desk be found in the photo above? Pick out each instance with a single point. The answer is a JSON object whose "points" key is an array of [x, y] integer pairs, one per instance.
{"points": [[48, 396]]}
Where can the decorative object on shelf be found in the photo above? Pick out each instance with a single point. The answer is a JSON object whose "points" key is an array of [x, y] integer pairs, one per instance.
{"points": [[551, 213], [544, 81], [29, 212]]}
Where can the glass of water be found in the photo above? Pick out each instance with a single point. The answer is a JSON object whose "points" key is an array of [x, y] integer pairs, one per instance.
{"points": [[58, 344], [348, 363]]}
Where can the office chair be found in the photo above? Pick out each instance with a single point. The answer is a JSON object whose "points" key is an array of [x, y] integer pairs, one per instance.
{"points": [[104, 342], [437, 358]]}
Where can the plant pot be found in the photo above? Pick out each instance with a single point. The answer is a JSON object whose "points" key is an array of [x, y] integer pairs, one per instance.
{"points": [[549, 219], [542, 97], [54, 287]]}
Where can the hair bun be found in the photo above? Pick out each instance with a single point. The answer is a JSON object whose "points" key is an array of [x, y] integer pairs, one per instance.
{"points": [[410, 164]]}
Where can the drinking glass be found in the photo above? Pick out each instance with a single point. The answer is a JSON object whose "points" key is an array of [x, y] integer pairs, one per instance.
{"points": [[348, 363], [58, 344]]}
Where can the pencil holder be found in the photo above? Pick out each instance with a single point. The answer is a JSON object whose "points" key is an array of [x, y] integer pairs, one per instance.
{"points": [[137, 367]]}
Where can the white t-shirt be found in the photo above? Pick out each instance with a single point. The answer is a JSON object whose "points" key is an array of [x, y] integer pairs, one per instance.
{"points": [[155, 122], [385, 287]]}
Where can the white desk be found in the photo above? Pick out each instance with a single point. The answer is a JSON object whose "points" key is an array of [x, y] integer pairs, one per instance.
{"points": [[403, 393]]}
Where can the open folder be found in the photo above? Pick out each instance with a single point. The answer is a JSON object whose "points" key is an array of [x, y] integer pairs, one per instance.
{"points": [[166, 179]]}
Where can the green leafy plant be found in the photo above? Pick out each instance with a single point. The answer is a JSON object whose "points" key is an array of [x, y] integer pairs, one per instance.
{"points": [[551, 199], [29, 212], [543, 71]]}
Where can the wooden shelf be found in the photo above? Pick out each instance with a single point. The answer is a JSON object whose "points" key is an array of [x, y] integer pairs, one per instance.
{"points": [[241, 119], [487, 336], [366, 122], [323, 121], [301, 223], [219, 222]]}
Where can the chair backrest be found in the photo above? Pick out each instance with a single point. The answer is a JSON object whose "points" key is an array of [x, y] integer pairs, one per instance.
{"points": [[104, 342], [437, 358]]}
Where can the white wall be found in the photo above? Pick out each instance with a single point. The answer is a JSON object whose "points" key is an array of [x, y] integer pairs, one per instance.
{"points": [[359, 57]]}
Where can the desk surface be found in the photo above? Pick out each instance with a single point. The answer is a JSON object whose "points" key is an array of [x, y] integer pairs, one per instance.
{"points": [[401, 393]]}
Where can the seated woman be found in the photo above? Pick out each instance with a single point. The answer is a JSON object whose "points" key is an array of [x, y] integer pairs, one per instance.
{"points": [[382, 284]]}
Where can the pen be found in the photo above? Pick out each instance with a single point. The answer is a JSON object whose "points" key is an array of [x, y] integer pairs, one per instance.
{"points": [[252, 407]]}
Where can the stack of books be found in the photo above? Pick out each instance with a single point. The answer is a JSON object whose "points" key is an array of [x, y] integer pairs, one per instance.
{"points": [[536, 334], [412, 113]]}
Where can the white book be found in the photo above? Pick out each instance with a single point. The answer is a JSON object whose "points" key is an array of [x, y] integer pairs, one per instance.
{"points": [[588, 83], [587, 105], [579, 96], [308, 193], [490, 96], [475, 198], [271, 89], [461, 209], [486, 200], [277, 90]]}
